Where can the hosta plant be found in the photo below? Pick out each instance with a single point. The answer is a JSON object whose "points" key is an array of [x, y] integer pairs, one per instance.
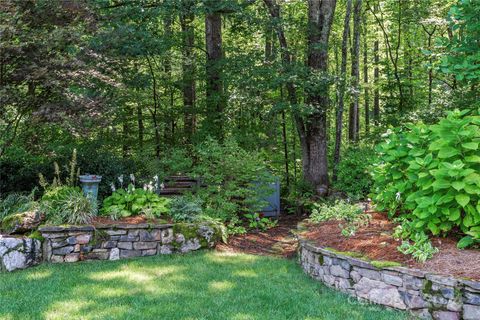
{"points": [[430, 175], [132, 201]]}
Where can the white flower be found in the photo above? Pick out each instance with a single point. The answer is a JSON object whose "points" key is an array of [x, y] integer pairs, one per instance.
{"points": [[112, 186], [120, 179], [145, 187], [132, 178], [162, 186], [397, 196]]}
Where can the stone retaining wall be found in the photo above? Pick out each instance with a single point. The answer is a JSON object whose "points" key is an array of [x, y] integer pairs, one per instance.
{"points": [[71, 244], [19, 253], [424, 294]]}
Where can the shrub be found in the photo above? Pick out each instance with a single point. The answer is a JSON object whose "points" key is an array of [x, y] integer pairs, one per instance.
{"points": [[353, 176], [17, 203], [185, 209], [134, 201], [351, 214], [429, 175], [67, 205], [235, 179]]}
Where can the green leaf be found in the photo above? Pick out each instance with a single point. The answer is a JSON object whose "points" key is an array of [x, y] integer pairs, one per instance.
{"points": [[462, 199], [474, 159], [447, 152], [470, 145], [458, 185], [465, 242]]}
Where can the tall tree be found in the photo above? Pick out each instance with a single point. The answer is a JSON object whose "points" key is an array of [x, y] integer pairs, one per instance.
{"points": [[187, 17], [314, 151], [341, 91], [214, 87], [365, 73], [354, 117]]}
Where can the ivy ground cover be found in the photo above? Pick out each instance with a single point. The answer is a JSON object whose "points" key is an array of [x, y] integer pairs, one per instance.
{"points": [[208, 285]]}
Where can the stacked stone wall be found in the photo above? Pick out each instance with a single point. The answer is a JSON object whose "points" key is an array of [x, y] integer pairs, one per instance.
{"points": [[427, 295]]}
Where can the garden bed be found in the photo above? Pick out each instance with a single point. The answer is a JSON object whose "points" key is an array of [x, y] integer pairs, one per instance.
{"points": [[375, 242]]}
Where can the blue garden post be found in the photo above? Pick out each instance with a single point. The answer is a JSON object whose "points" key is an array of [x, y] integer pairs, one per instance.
{"points": [[90, 185]]}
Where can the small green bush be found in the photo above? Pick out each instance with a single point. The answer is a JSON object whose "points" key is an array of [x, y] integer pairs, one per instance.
{"points": [[16, 203], [352, 215], [429, 175], [134, 201], [353, 176], [185, 209], [67, 205]]}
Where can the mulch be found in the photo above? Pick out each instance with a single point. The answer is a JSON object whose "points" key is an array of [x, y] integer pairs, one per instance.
{"points": [[375, 241], [277, 241]]}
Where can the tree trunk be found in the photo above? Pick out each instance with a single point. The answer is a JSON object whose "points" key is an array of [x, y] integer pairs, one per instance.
{"points": [[376, 80], [353, 128], [214, 87], [365, 73], [341, 91], [314, 151], [187, 18]]}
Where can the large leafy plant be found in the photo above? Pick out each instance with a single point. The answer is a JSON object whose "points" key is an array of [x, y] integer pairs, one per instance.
{"points": [[132, 201], [430, 175]]}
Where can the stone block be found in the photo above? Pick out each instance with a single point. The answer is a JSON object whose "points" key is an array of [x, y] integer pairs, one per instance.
{"points": [[142, 245], [379, 292], [368, 273], [128, 238], [454, 305], [471, 312], [165, 249], [63, 251], [329, 280], [412, 282], [355, 276], [72, 257], [156, 234], [442, 280], [116, 232], [125, 245], [71, 240], [83, 238], [471, 298], [109, 244], [98, 254], [149, 252], [57, 259], [167, 235], [130, 253], [392, 279], [445, 315], [145, 235], [343, 284], [114, 254], [190, 245], [14, 260], [338, 271]]}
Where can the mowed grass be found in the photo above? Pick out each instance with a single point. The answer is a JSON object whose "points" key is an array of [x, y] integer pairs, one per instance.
{"points": [[206, 285]]}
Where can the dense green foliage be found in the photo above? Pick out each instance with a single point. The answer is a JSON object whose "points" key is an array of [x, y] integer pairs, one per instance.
{"points": [[208, 285], [134, 201], [185, 209], [429, 175]]}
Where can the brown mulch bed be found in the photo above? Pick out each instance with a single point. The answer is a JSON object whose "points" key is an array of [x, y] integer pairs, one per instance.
{"points": [[375, 241], [277, 241]]}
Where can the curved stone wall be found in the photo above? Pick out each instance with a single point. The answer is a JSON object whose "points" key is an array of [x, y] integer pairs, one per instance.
{"points": [[424, 294]]}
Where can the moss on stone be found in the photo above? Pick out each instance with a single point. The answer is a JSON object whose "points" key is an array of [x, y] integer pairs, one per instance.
{"points": [[10, 222], [36, 235], [384, 264], [427, 287], [346, 253]]}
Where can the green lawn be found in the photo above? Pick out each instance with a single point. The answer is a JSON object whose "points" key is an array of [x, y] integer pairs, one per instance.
{"points": [[208, 285]]}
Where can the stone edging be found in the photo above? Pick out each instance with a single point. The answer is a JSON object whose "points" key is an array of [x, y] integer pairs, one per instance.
{"points": [[424, 294]]}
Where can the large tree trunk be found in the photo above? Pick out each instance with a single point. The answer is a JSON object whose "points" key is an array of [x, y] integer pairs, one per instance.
{"points": [[341, 91], [214, 94], [187, 17], [314, 151], [353, 128]]}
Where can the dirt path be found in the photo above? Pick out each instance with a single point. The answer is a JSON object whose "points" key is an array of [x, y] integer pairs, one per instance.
{"points": [[278, 241]]}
